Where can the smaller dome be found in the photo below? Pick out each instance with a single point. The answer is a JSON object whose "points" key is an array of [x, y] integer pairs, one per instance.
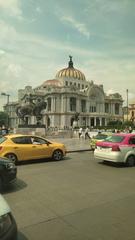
{"points": [[52, 82], [70, 72]]}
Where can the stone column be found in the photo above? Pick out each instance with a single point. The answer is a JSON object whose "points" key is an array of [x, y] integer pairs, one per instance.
{"points": [[94, 121], [68, 104], [54, 110], [78, 109], [100, 121]]}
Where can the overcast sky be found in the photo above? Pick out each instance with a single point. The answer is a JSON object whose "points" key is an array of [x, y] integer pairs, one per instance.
{"points": [[37, 36]]}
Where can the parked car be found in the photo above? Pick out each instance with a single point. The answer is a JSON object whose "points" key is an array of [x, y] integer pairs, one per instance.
{"points": [[19, 147], [119, 147], [8, 172], [8, 226], [97, 138]]}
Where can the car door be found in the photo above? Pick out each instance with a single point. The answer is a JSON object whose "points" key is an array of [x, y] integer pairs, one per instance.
{"points": [[41, 147], [24, 148], [132, 143]]}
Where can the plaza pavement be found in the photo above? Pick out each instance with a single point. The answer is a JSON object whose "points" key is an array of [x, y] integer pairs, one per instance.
{"points": [[73, 144]]}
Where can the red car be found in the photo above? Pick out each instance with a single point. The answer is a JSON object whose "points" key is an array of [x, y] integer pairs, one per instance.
{"points": [[119, 147]]}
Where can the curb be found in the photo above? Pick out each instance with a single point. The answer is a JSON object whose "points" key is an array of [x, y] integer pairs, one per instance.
{"points": [[79, 150]]}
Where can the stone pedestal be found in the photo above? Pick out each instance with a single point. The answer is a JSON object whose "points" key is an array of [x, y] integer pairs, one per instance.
{"points": [[39, 130]]}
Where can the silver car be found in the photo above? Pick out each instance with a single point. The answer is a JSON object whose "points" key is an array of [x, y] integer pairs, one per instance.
{"points": [[8, 227]]}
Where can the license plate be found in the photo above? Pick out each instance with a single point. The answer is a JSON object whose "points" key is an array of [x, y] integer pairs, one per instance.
{"points": [[104, 149]]}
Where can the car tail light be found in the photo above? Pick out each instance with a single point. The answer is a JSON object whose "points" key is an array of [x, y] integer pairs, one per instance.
{"points": [[115, 148], [0, 147]]}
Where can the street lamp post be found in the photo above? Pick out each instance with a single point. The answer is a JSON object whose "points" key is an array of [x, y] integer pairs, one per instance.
{"points": [[6, 95]]}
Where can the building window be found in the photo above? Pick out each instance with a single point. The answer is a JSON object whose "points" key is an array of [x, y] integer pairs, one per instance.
{"points": [[106, 108], [78, 85], [66, 83], [83, 105], [72, 104], [82, 86], [70, 83], [49, 104], [116, 108], [132, 113], [92, 108]]}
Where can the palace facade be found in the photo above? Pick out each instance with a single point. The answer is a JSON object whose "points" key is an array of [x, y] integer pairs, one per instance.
{"points": [[70, 99]]}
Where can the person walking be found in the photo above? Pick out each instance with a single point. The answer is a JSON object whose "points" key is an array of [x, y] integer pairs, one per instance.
{"points": [[4, 130], [80, 131], [87, 133]]}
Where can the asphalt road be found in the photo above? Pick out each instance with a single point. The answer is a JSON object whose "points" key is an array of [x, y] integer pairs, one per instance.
{"points": [[74, 199]]}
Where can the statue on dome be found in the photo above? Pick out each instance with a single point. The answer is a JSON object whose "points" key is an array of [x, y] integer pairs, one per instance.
{"points": [[70, 63]]}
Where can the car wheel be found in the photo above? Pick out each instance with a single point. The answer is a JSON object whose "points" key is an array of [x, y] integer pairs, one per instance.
{"points": [[130, 161], [12, 157], [1, 185], [57, 155]]}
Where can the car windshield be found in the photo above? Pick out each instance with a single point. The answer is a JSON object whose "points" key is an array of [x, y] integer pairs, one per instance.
{"points": [[114, 139], [100, 136], [2, 139]]}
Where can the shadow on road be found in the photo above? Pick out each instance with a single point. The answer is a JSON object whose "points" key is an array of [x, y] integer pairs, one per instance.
{"points": [[36, 161], [14, 187], [21, 236], [113, 164]]}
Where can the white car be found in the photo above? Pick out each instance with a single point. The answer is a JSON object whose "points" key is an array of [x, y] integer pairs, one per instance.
{"points": [[8, 227], [119, 147]]}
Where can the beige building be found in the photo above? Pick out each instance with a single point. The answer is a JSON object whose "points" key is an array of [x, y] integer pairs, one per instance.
{"points": [[129, 113], [69, 97]]}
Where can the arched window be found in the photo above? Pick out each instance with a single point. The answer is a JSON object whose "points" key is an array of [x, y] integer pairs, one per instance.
{"points": [[49, 104], [73, 104], [72, 120], [48, 122], [116, 108], [83, 105]]}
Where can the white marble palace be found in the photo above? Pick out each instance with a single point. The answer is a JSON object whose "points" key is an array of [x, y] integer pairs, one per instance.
{"points": [[69, 97]]}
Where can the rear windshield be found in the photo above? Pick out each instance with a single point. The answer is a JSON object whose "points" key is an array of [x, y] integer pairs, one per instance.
{"points": [[2, 139], [114, 139]]}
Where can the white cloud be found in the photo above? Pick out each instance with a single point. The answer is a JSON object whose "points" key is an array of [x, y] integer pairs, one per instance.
{"points": [[81, 27], [11, 8], [14, 70], [2, 52], [38, 9], [110, 91], [7, 32]]}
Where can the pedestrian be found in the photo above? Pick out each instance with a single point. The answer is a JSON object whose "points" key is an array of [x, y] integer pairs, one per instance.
{"points": [[87, 133], [4, 130], [80, 131], [130, 129]]}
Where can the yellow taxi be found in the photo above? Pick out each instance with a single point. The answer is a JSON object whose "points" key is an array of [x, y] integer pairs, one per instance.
{"points": [[19, 147]]}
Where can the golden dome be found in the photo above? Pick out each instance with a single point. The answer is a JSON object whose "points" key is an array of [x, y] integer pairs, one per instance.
{"points": [[70, 72]]}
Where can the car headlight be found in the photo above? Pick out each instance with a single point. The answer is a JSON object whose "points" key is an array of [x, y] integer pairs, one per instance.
{"points": [[5, 223], [10, 165]]}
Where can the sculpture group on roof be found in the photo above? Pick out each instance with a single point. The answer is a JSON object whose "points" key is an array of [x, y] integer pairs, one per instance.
{"points": [[33, 106]]}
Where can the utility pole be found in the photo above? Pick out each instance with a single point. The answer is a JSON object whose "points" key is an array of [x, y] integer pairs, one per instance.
{"points": [[127, 105], [7, 95]]}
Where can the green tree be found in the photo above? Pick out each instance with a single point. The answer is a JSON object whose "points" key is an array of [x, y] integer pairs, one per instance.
{"points": [[3, 118]]}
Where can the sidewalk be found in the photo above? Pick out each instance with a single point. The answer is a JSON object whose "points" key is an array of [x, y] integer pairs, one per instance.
{"points": [[73, 144]]}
